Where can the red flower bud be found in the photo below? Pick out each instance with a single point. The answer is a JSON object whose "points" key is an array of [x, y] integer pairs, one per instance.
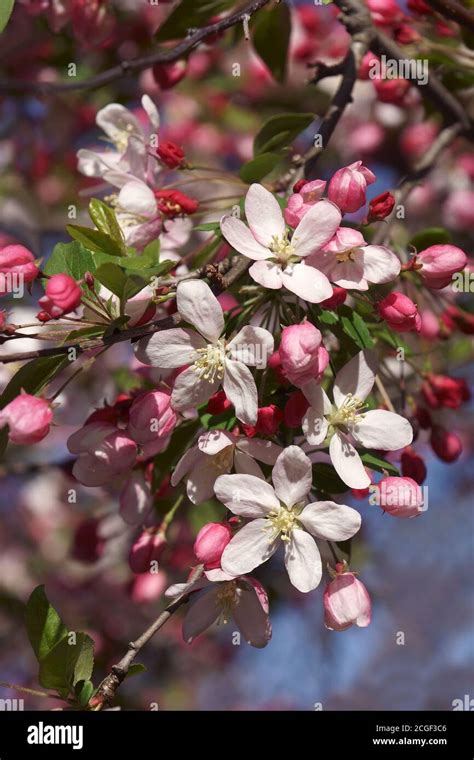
{"points": [[167, 75], [170, 154], [338, 297], [399, 312], [380, 207], [446, 445], [413, 466], [295, 409], [268, 421], [440, 390], [173, 203], [218, 403]]}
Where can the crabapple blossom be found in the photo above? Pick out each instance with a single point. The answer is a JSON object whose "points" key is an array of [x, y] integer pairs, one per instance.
{"points": [[104, 452], [28, 418], [151, 421], [243, 598], [400, 497], [442, 391], [445, 444], [217, 452], [210, 543], [279, 259], [413, 466], [348, 261], [135, 499], [400, 313], [213, 359], [138, 214], [438, 263], [280, 515], [302, 199], [347, 421], [303, 357], [380, 207], [348, 186], [62, 295], [16, 261], [346, 602]]}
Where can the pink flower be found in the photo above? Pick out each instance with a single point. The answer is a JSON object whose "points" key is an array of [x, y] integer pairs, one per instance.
{"points": [[17, 263], [104, 453], [399, 312], [417, 138], [280, 515], [349, 262], [135, 499], [400, 497], [151, 421], [303, 357], [346, 602], [348, 186], [438, 263], [458, 211], [62, 295], [279, 259], [302, 200], [147, 548], [28, 419], [210, 543]]}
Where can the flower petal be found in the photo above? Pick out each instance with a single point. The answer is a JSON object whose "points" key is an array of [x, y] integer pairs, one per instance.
{"points": [[292, 476], [240, 389], [263, 214], [169, 348], [306, 282], [347, 462], [267, 274], [203, 611], [246, 495], [198, 305], [214, 441], [200, 483], [137, 198], [316, 228], [314, 427], [384, 430], [356, 377], [251, 619], [380, 264], [303, 561], [245, 465], [239, 237], [265, 451], [189, 459], [190, 391], [250, 547], [252, 346], [116, 121], [330, 521]]}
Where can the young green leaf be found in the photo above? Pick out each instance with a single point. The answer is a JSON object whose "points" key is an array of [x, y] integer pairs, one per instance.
{"points": [[95, 240], [6, 9], [271, 37], [280, 131], [259, 167], [43, 624]]}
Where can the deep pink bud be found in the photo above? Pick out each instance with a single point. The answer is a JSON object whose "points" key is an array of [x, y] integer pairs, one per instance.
{"points": [[295, 409], [401, 497], [348, 186], [3, 320], [170, 154], [392, 90], [274, 364], [17, 266], [406, 35], [28, 419], [338, 297], [302, 355], [62, 295], [346, 602], [413, 466], [417, 138], [147, 587], [135, 499], [218, 403], [268, 421], [151, 417], [443, 391], [453, 318], [438, 263], [399, 312], [385, 12], [368, 62], [210, 542], [446, 445], [148, 548], [380, 207], [167, 75], [301, 201]]}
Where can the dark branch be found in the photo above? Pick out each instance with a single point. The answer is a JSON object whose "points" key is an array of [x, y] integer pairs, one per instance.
{"points": [[454, 11]]}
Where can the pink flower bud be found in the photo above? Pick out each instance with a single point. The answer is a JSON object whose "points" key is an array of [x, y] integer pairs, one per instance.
{"points": [[218, 403], [454, 318], [443, 391], [348, 186], [346, 602], [88, 545], [367, 64], [446, 445], [392, 90], [385, 12], [135, 499], [301, 201], [147, 548], [295, 409], [104, 452], [147, 587], [438, 263], [401, 497], [406, 35], [16, 263], [413, 466], [429, 325], [380, 207], [338, 297], [62, 295], [302, 355], [210, 542], [167, 75], [3, 320], [151, 418], [399, 312], [268, 421], [28, 419]]}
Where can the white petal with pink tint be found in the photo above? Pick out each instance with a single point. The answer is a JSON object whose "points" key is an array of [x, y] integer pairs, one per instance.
{"points": [[357, 377], [316, 228], [303, 561], [306, 282], [169, 348], [267, 273], [246, 495], [263, 214], [330, 521], [380, 264], [292, 476], [198, 305], [380, 429], [190, 391], [239, 237], [240, 389], [249, 548], [347, 462]]}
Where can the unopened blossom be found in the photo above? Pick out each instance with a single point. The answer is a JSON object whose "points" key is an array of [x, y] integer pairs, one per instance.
{"points": [[446, 444], [170, 154], [302, 354], [147, 549], [280, 515], [348, 186], [347, 422], [17, 267], [210, 543], [380, 207], [279, 259], [443, 391], [400, 313], [62, 295], [348, 261], [438, 263], [168, 75], [217, 452], [28, 418], [413, 466], [346, 602], [213, 360], [243, 599], [151, 421], [104, 453], [268, 421], [400, 497], [302, 200]]}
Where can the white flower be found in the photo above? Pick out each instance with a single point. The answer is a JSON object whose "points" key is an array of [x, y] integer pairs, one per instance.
{"points": [[346, 421], [279, 260], [279, 515], [137, 213], [214, 361], [216, 452]]}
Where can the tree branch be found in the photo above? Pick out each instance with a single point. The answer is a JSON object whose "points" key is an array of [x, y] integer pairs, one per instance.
{"points": [[136, 65], [454, 11]]}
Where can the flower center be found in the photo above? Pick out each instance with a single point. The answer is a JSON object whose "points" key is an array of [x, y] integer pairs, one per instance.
{"points": [[347, 255], [122, 138], [223, 460], [282, 248], [210, 362], [282, 521], [347, 413]]}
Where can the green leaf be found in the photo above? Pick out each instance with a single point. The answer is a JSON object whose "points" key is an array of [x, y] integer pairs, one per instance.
{"points": [[123, 285], [95, 240], [259, 167], [6, 8], [190, 14], [328, 317], [105, 220], [280, 131], [85, 660], [430, 236], [33, 377], [152, 251], [70, 258], [377, 463], [84, 691], [58, 667], [325, 478], [43, 624], [135, 668], [271, 37], [207, 252], [355, 328], [208, 227]]}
